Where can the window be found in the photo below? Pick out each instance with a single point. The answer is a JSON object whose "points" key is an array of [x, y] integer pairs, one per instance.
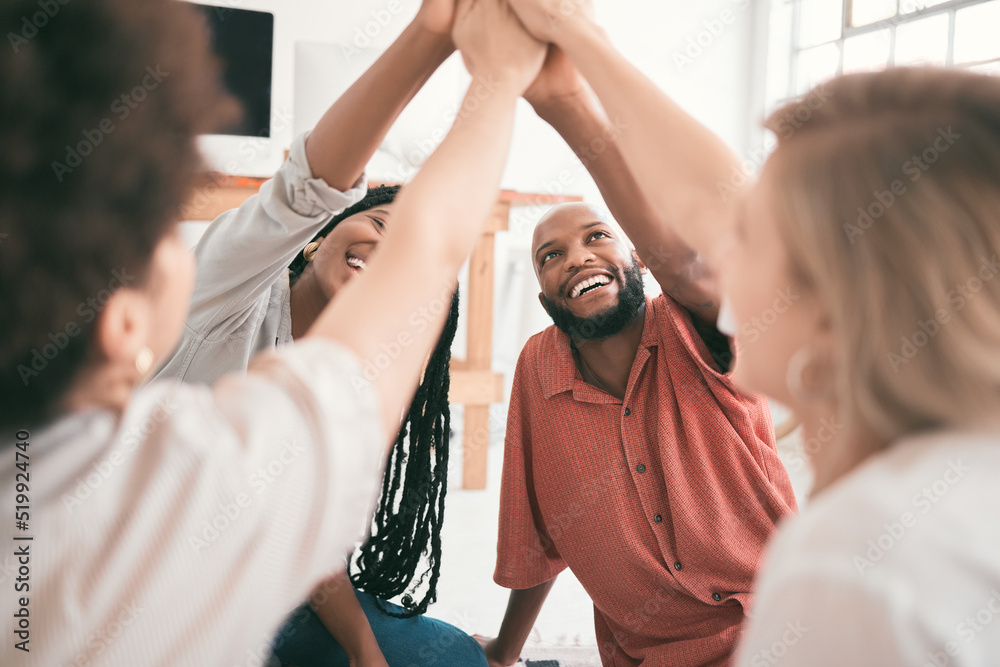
{"points": [[813, 40]]}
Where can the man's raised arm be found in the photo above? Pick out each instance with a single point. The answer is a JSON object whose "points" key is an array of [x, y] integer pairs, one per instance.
{"points": [[561, 97], [676, 161]]}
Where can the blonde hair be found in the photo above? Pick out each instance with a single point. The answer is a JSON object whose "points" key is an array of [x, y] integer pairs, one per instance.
{"points": [[888, 198]]}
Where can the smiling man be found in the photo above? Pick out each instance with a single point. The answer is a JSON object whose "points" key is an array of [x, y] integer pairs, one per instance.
{"points": [[630, 457]]}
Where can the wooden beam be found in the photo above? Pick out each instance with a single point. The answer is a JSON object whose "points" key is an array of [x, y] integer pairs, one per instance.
{"points": [[475, 387], [475, 446]]}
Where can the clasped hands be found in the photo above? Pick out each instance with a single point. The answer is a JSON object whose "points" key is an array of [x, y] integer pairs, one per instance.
{"points": [[513, 42]]}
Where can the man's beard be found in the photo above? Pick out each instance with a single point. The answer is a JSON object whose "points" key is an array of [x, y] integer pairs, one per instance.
{"points": [[612, 321]]}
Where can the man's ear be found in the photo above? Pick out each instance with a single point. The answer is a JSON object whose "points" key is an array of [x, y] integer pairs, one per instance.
{"points": [[123, 327], [541, 300]]}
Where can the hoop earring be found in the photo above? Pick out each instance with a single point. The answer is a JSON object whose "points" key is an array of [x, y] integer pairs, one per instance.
{"points": [[310, 250], [795, 377], [144, 361]]}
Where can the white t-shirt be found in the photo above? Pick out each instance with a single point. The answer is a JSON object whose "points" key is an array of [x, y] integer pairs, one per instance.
{"points": [[898, 563], [185, 530]]}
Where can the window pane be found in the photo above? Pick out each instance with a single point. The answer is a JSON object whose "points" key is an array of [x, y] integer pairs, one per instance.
{"points": [[910, 6], [924, 41], [866, 53], [779, 53], [820, 21], [976, 29], [865, 12], [815, 66]]}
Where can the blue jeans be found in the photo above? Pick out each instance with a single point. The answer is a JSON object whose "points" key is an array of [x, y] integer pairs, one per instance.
{"points": [[405, 642]]}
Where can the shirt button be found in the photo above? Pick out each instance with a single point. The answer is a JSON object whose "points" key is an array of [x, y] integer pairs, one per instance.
{"points": [[716, 597], [657, 518], [627, 412], [677, 565], [640, 468]]}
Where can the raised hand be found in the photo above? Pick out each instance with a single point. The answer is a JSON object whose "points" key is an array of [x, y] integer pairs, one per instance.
{"points": [[558, 79], [545, 19], [494, 43]]}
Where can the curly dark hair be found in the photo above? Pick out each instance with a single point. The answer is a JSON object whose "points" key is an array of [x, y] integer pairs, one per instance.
{"points": [[102, 103]]}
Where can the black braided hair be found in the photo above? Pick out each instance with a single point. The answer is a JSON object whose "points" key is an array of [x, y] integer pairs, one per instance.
{"points": [[377, 196], [406, 528], [407, 524]]}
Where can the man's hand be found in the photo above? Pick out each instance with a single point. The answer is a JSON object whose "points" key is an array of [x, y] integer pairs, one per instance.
{"points": [[489, 645], [558, 80], [437, 16], [495, 44], [546, 19]]}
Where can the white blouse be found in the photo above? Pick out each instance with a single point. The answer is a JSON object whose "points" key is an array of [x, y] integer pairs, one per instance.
{"points": [[241, 295], [898, 563], [183, 532]]}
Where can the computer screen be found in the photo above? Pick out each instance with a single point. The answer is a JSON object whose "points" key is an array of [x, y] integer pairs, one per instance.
{"points": [[244, 42]]}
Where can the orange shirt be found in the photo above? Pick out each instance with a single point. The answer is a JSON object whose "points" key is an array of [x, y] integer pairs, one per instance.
{"points": [[660, 504]]}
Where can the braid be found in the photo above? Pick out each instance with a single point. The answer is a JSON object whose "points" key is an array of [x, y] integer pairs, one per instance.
{"points": [[407, 523]]}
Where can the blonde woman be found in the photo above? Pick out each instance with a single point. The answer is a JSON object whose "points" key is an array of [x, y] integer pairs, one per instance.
{"points": [[149, 541], [880, 212]]}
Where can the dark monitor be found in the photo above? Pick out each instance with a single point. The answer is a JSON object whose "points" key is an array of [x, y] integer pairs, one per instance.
{"points": [[243, 40]]}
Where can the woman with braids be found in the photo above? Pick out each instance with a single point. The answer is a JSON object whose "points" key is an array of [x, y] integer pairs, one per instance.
{"points": [[153, 542], [261, 285]]}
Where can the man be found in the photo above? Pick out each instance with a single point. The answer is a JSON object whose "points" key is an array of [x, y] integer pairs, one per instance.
{"points": [[630, 457]]}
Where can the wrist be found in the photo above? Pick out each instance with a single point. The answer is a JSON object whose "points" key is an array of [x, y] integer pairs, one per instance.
{"points": [[578, 31], [438, 44], [549, 106], [497, 651], [498, 82]]}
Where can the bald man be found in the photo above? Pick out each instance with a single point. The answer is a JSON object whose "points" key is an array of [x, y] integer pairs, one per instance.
{"points": [[630, 457]]}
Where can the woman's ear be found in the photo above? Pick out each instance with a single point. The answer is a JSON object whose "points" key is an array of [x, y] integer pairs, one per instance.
{"points": [[122, 330]]}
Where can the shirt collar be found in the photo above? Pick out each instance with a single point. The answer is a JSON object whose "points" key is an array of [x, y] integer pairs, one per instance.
{"points": [[559, 372]]}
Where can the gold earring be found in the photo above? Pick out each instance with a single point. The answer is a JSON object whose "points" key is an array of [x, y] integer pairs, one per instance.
{"points": [[310, 251], [144, 361]]}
